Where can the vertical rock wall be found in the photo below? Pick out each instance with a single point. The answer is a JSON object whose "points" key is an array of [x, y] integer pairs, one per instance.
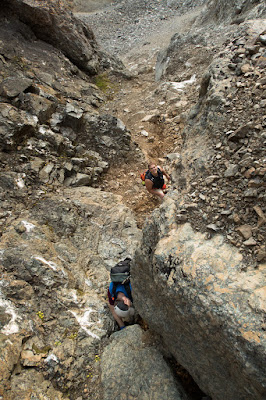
{"points": [[208, 308]]}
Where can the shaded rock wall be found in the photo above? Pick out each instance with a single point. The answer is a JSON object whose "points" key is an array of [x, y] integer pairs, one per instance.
{"points": [[204, 291]]}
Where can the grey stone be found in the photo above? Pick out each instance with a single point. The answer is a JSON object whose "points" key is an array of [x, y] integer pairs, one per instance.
{"points": [[11, 87], [251, 192], [210, 179], [261, 254], [36, 164], [213, 227], [245, 231], [231, 170], [263, 39], [239, 133], [133, 369], [151, 118], [173, 260], [173, 156], [45, 172], [250, 242], [38, 105], [144, 133], [81, 180]]}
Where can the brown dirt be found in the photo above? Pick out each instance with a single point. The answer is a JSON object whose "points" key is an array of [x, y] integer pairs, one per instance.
{"points": [[161, 141]]}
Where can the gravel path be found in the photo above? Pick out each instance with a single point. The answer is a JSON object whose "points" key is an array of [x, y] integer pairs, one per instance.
{"points": [[129, 24]]}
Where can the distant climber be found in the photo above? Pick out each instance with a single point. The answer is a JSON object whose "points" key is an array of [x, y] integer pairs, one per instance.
{"points": [[119, 293], [154, 180]]}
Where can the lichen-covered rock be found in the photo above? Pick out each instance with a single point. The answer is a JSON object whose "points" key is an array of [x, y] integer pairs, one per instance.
{"points": [[205, 303]]}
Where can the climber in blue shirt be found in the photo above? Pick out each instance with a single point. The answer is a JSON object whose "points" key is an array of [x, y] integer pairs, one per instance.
{"points": [[120, 302]]}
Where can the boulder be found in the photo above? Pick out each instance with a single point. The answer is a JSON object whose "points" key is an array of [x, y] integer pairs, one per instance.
{"points": [[134, 369], [206, 308], [12, 87]]}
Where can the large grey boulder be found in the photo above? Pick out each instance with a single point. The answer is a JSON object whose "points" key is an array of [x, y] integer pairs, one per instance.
{"points": [[132, 368], [205, 303]]}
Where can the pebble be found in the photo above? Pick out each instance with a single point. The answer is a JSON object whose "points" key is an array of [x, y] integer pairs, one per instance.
{"points": [[245, 231], [212, 227], [144, 133], [250, 242], [251, 193], [231, 171]]}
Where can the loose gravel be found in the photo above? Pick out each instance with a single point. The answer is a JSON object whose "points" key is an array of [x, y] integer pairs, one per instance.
{"points": [[126, 24]]}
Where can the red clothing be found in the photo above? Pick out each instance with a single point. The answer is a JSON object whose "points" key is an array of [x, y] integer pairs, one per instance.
{"points": [[110, 298]]}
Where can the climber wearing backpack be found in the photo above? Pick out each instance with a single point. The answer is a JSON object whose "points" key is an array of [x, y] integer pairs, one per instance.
{"points": [[154, 180], [119, 293]]}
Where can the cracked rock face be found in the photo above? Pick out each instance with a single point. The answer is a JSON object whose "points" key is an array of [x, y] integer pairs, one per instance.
{"points": [[200, 291], [49, 116], [55, 263], [52, 23]]}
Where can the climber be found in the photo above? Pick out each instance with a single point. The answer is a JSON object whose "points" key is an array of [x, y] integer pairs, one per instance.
{"points": [[154, 180], [119, 296]]}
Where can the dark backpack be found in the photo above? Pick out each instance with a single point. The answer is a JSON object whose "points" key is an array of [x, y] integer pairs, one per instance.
{"points": [[120, 273]]}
